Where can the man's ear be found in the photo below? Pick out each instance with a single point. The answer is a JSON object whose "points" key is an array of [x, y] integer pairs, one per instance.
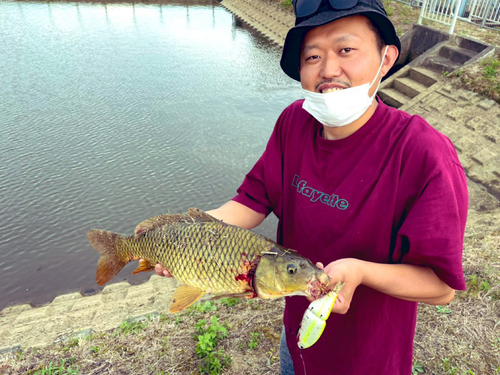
{"points": [[390, 58]]}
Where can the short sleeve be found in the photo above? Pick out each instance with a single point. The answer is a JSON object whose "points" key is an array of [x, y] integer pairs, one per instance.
{"points": [[432, 233]]}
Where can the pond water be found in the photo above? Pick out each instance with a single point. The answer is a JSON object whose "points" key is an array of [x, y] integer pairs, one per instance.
{"points": [[111, 113]]}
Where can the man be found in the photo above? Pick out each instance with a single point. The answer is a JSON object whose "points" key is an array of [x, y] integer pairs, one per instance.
{"points": [[374, 194]]}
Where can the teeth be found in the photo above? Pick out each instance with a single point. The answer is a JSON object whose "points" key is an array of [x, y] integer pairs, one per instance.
{"points": [[331, 90]]}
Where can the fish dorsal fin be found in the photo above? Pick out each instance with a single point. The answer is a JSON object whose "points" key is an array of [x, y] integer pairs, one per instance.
{"points": [[200, 215], [158, 221], [184, 296]]}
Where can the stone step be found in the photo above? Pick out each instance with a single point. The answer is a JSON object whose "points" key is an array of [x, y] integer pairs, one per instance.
{"points": [[408, 86], [255, 19], [267, 10], [456, 54], [440, 64], [393, 97], [423, 76], [472, 45]]}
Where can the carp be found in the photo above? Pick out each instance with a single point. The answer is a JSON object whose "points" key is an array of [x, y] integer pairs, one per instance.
{"points": [[208, 256]]}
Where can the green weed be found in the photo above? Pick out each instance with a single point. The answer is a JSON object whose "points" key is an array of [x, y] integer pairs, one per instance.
{"points": [[95, 349], [74, 342], [254, 340], [477, 284], [229, 301], [204, 307], [448, 368], [495, 343], [490, 72], [390, 10], [286, 3], [131, 327], [417, 368], [58, 370], [491, 69], [443, 310], [209, 336]]}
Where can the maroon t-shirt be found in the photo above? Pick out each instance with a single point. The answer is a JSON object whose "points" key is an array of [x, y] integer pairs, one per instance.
{"points": [[392, 192]]}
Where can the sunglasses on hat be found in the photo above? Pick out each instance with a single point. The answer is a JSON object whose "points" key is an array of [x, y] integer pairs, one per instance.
{"points": [[304, 8]]}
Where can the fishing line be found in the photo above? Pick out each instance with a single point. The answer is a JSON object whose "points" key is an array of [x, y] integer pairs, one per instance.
{"points": [[303, 362]]}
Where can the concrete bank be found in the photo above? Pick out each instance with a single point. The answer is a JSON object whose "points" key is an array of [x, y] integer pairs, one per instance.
{"points": [[467, 118], [71, 314], [270, 19]]}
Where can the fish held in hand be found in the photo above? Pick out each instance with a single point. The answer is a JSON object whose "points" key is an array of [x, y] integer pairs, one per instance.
{"points": [[209, 256]]}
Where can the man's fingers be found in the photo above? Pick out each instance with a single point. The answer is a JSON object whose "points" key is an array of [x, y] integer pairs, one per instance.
{"points": [[162, 271], [320, 265], [166, 273]]}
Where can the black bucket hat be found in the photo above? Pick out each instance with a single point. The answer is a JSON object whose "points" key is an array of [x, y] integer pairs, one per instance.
{"points": [[373, 9]]}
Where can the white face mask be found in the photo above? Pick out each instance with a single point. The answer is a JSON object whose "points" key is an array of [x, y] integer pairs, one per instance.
{"points": [[339, 108]]}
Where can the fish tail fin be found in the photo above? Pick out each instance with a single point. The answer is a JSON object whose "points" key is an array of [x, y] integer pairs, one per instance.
{"points": [[110, 262]]}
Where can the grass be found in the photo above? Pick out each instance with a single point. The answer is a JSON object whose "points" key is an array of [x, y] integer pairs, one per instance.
{"points": [[231, 336], [58, 370], [221, 339], [482, 77]]}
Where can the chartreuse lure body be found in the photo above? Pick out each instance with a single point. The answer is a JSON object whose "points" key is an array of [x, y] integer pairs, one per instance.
{"points": [[314, 319]]}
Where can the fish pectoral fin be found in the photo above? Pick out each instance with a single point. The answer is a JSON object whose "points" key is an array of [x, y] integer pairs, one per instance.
{"points": [[184, 296], [144, 266]]}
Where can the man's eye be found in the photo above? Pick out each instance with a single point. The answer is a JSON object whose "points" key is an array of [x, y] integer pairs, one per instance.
{"points": [[345, 50], [313, 57]]}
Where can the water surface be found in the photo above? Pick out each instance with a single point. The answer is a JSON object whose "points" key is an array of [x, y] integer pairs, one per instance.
{"points": [[111, 113]]}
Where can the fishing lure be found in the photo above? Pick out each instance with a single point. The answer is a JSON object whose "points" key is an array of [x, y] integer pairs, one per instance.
{"points": [[314, 319]]}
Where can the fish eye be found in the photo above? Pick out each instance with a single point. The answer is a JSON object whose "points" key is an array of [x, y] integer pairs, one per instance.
{"points": [[291, 268]]}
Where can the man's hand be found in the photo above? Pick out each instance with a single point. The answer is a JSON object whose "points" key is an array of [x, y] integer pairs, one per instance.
{"points": [[403, 281], [344, 270], [162, 271]]}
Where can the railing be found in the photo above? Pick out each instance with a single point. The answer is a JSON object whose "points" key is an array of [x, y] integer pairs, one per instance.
{"points": [[485, 13], [442, 11]]}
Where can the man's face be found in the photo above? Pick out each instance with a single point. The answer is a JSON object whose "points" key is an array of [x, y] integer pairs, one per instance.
{"points": [[339, 55]]}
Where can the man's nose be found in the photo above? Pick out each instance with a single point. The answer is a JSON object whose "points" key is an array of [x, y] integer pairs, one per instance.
{"points": [[331, 67]]}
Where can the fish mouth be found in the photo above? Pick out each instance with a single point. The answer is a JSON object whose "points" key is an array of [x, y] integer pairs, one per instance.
{"points": [[317, 286]]}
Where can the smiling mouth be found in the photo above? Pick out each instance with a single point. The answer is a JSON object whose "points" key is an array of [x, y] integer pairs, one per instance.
{"points": [[331, 89]]}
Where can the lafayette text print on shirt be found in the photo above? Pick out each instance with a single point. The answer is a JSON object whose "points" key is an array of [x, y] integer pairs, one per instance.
{"points": [[331, 200]]}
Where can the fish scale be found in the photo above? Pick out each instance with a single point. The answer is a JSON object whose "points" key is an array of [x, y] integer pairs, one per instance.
{"points": [[194, 261], [207, 255]]}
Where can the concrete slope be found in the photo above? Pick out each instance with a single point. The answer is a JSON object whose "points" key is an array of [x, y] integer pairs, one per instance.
{"points": [[427, 56], [267, 18]]}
